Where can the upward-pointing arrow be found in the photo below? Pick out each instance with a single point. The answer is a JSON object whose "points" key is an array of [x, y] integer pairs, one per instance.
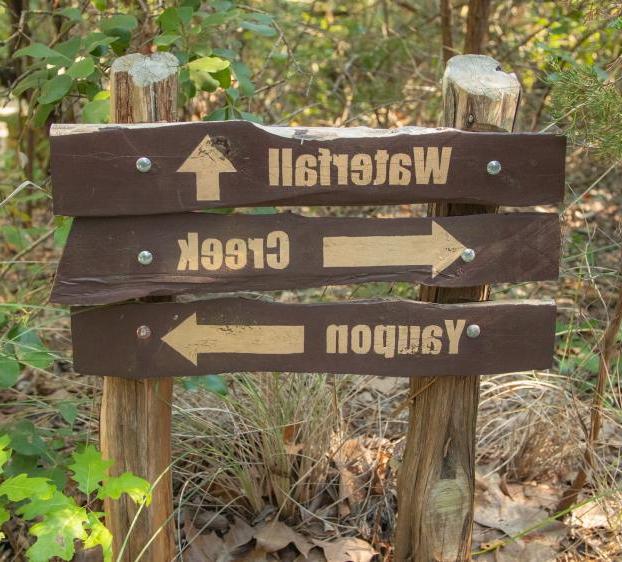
{"points": [[207, 163], [191, 338], [439, 250]]}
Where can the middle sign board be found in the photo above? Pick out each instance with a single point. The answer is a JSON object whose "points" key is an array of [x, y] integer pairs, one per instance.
{"points": [[118, 258]]}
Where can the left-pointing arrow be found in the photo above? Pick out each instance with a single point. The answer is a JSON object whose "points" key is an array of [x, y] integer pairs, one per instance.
{"points": [[191, 339], [206, 162]]}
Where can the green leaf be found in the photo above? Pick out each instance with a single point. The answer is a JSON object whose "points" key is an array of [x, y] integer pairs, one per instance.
{"points": [[263, 211], [89, 469], [5, 450], [72, 14], [242, 75], [212, 383], [208, 64], [25, 440], [251, 117], [217, 18], [39, 507], [99, 535], [259, 28], [172, 19], [68, 411], [95, 40], [42, 113], [223, 77], [38, 51], [34, 80], [137, 488], [55, 89], [96, 111], [166, 39], [101, 5], [63, 226], [4, 517], [9, 370], [56, 534], [68, 49], [81, 69], [22, 486], [126, 22], [30, 349], [219, 114]]}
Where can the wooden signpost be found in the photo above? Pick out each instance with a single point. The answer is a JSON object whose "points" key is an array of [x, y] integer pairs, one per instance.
{"points": [[132, 188], [393, 338], [130, 257], [182, 167]]}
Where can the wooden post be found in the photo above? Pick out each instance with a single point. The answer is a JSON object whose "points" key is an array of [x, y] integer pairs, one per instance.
{"points": [[135, 421], [437, 477]]}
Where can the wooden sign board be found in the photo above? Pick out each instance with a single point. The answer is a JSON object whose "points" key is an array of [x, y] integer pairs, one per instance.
{"points": [[241, 164], [394, 338], [195, 252]]}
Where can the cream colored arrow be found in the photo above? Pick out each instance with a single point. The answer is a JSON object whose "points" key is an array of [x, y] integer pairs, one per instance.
{"points": [[207, 163], [439, 250], [191, 338]]}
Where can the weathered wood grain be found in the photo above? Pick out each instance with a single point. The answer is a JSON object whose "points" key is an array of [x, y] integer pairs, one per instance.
{"points": [[437, 477], [135, 418], [238, 163], [235, 334], [199, 252]]}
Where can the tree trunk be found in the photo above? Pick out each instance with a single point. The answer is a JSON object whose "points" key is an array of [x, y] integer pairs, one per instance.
{"points": [[477, 26], [437, 476], [448, 43], [135, 421]]}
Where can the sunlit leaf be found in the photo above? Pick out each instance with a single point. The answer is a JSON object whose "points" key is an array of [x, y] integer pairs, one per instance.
{"points": [[137, 488], [89, 469]]}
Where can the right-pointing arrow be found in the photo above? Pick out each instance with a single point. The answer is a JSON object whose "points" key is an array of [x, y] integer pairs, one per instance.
{"points": [[190, 339], [438, 250]]}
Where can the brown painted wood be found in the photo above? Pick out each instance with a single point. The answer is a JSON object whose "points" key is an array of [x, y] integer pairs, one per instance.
{"points": [[437, 478], [135, 419], [227, 164], [197, 252], [237, 334]]}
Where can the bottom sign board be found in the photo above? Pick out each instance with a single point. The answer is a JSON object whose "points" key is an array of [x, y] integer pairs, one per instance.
{"points": [[390, 338]]}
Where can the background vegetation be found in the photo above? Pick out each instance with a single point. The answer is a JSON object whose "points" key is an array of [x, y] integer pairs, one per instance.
{"points": [[322, 452]]}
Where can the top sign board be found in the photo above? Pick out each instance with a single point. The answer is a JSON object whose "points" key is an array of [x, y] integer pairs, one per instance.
{"points": [[239, 164]]}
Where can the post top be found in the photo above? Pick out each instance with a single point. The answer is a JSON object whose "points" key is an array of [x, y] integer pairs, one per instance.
{"points": [[480, 75], [146, 69]]}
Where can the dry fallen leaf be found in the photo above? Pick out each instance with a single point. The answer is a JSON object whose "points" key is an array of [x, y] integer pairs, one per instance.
{"points": [[494, 509], [276, 535], [347, 549], [239, 534]]}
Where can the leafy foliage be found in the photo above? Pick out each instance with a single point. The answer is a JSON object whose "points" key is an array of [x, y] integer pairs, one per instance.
{"points": [[60, 521], [590, 108]]}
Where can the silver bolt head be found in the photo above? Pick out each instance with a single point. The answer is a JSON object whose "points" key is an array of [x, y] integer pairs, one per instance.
{"points": [[143, 332], [493, 167], [468, 255], [143, 164], [473, 331], [145, 257]]}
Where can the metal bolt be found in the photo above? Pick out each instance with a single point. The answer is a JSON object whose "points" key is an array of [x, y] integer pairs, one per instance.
{"points": [[468, 255], [473, 331], [493, 167], [143, 332], [143, 164], [145, 257]]}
